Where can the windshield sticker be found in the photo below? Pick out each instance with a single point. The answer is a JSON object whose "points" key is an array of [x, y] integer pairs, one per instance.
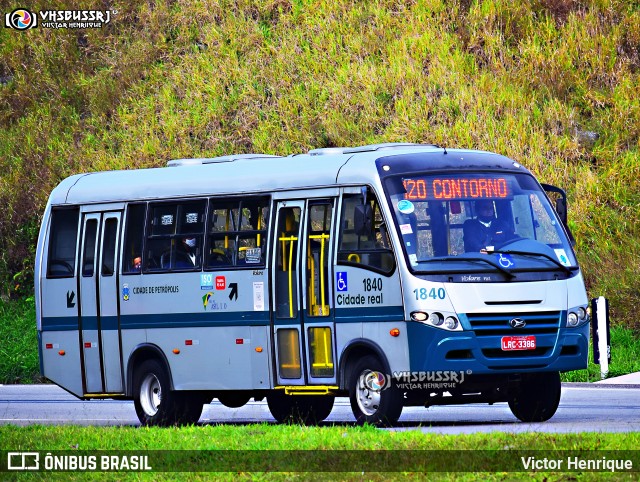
{"points": [[406, 207], [505, 260], [413, 259], [406, 229], [562, 257]]}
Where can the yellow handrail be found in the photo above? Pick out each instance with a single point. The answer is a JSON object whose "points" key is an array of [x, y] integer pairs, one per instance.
{"points": [[259, 225], [322, 238], [291, 239], [326, 349]]}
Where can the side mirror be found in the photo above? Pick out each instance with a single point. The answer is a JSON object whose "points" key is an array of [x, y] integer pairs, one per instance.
{"points": [[561, 209], [363, 219], [559, 199]]}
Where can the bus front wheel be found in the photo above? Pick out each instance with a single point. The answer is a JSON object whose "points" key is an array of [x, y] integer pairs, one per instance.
{"points": [[537, 398], [374, 398], [156, 404]]}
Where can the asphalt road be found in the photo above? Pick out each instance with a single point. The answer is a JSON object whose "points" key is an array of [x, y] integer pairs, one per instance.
{"points": [[583, 408]]}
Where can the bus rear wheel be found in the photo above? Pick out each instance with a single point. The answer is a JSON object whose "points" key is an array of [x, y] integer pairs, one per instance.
{"points": [[373, 396], [537, 398], [305, 409], [156, 404]]}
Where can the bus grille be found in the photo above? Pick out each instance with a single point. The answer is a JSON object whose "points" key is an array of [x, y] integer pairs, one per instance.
{"points": [[497, 324], [544, 325]]}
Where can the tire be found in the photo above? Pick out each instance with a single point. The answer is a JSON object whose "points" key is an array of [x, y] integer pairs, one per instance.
{"points": [[380, 407], [537, 398], [156, 404], [305, 409]]}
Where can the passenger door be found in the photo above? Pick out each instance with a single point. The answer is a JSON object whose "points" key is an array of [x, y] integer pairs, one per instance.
{"points": [[303, 326], [99, 321]]}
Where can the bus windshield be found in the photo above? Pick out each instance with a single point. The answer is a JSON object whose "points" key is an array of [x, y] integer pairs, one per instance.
{"points": [[466, 222]]}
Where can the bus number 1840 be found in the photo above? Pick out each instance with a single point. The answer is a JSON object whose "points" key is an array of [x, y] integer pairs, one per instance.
{"points": [[423, 294]]}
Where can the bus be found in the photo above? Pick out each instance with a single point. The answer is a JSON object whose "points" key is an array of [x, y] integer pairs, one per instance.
{"points": [[392, 274]]}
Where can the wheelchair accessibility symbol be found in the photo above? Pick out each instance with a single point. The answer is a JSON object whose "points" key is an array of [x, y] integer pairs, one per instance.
{"points": [[341, 281], [505, 261]]}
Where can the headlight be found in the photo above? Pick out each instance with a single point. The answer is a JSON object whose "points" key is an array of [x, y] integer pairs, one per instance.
{"points": [[436, 319], [577, 316], [451, 323], [572, 320], [419, 316]]}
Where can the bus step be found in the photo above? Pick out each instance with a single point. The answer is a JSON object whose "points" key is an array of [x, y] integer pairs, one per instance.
{"points": [[306, 390]]}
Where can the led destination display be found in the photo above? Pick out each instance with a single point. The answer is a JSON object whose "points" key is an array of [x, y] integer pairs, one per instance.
{"points": [[429, 189]]}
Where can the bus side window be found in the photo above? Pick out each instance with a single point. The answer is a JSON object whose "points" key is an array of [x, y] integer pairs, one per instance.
{"points": [[176, 234], [62, 243], [370, 250], [134, 235], [222, 240], [237, 233], [109, 246]]}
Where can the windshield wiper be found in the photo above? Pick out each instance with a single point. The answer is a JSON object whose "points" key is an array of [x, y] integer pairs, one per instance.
{"points": [[528, 253], [471, 258]]}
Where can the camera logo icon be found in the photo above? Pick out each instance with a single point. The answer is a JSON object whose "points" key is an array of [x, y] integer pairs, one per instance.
{"points": [[21, 19]]}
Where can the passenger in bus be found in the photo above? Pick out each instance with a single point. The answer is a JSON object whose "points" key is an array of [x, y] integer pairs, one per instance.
{"points": [[485, 230], [136, 264], [186, 254]]}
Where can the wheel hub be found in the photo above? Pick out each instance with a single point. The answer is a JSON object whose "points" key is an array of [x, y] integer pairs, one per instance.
{"points": [[150, 394], [368, 398]]}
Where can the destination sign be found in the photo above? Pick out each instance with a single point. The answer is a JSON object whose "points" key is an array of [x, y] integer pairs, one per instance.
{"points": [[456, 188]]}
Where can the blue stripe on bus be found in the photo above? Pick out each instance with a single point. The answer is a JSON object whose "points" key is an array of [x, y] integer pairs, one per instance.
{"points": [[234, 318], [59, 323], [187, 320], [170, 320], [374, 313], [109, 322], [89, 322]]}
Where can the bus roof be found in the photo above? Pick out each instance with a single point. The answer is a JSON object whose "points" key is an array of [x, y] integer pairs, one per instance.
{"points": [[254, 173]]}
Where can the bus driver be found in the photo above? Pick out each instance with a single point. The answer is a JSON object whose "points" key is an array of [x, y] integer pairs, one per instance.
{"points": [[485, 230]]}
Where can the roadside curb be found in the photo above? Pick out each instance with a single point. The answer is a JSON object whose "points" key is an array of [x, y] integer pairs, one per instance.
{"points": [[601, 384]]}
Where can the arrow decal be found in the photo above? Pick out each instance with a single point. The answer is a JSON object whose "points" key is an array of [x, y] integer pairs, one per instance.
{"points": [[70, 296], [234, 291]]}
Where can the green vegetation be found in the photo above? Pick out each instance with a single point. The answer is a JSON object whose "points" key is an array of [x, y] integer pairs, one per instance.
{"points": [[316, 440], [625, 358], [19, 351]]}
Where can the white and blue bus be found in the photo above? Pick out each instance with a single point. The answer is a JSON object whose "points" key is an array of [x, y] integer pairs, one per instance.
{"points": [[394, 274]]}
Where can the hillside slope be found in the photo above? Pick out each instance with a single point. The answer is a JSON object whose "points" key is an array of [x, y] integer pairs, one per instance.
{"points": [[554, 84]]}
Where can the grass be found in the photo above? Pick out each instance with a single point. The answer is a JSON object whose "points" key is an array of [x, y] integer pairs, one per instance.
{"points": [[625, 358], [19, 351], [205, 448]]}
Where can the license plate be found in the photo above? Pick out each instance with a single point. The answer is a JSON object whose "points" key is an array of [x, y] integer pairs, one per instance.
{"points": [[510, 343]]}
